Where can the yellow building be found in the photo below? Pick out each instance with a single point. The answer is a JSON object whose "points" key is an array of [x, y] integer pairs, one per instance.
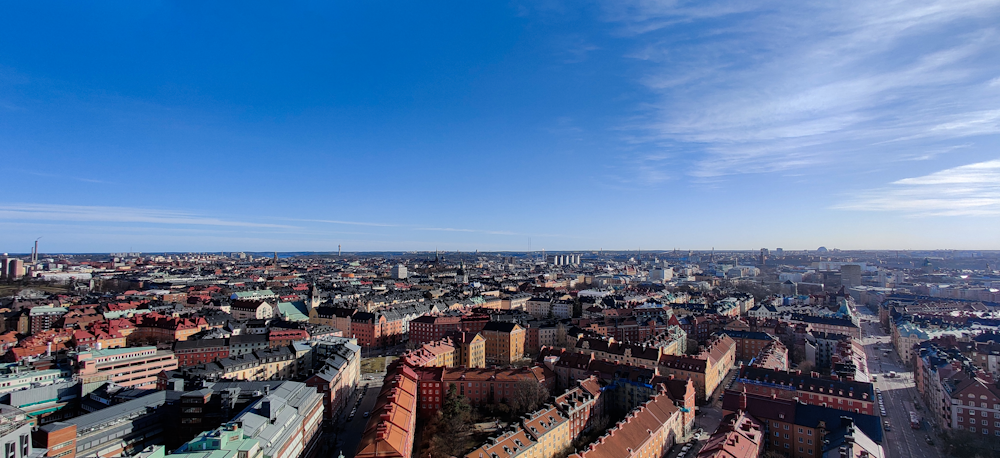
{"points": [[504, 342], [707, 369], [472, 350], [543, 434]]}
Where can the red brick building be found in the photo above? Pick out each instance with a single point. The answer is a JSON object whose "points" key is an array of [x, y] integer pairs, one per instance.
{"points": [[195, 352]]}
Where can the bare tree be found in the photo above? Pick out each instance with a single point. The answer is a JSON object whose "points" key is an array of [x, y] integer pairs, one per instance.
{"points": [[526, 396]]}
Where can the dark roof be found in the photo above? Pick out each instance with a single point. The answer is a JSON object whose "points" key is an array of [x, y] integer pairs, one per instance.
{"points": [[202, 343], [747, 335], [811, 415], [805, 382], [499, 326]]}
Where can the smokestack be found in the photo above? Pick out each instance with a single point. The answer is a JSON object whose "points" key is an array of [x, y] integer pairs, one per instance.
{"points": [[48, 349], [338, 251], [34, 254], [98, 345]]}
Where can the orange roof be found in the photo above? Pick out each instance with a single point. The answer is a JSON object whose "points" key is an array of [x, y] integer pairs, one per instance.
{"points": [[629, 435], [390, 428]]}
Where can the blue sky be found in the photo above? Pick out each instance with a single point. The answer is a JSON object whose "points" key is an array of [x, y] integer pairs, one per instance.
{"points": [[182, 126]]}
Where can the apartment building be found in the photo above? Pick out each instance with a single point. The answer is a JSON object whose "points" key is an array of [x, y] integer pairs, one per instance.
{"points": [[194, 352], [338, 377], [650, 430], [707, 369], [267, 364], [738, 436], [538, 307], [809, 388], [541, 434], [504, 342], [43, 318], [251, 310], [392, 424], [625, 353], [166, 329], [429, 328], [749, 344], [802, 430], [286, 421], [226, 441], [133, 367], [975, 406]]}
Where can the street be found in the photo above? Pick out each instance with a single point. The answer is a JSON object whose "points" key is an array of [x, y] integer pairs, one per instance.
{"points": [[347, 434], [898, 394]]}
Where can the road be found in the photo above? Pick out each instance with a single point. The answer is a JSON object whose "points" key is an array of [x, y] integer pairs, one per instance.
{"points": [[898, 395], [347, 433]]}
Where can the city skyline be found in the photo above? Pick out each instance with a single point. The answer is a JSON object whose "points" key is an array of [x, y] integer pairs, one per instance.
{"points": [[500, 127]]}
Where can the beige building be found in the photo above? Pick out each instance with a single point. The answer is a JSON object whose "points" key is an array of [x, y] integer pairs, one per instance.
{"points": [[504, 342]]}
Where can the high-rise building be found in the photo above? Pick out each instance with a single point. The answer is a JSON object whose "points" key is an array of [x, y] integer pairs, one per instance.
{"points": [[15, 269], [850, 275], [399, 272]]}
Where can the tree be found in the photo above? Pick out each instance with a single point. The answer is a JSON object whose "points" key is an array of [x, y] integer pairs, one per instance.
{"points": [[449, 429], [526, 396], [962, 443]]}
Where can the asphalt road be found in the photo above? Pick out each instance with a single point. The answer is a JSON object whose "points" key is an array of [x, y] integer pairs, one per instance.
{"points": [[347, 434], [898, 396]]}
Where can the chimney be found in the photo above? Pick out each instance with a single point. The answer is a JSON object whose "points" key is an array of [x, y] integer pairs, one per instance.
{"points": [[98, 345], [48, 349]]}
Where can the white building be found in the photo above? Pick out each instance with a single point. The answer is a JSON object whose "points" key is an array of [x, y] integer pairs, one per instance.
{"points": [[398, 272]]}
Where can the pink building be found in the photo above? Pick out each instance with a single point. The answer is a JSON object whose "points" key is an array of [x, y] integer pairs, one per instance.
{"points": [[130, 367]]}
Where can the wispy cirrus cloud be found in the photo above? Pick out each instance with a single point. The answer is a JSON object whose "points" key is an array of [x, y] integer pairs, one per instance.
{"points": [[968, 190], [84, 213], [755, 87], [349, 223]]}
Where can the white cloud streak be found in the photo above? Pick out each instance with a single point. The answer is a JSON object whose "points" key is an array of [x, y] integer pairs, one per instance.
{"points": [[968, 190], [46, 212], [763, 87], [350, 223]]}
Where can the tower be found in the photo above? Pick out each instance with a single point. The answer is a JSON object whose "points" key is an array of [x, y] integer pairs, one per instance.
{"points": [[314, 298]]}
